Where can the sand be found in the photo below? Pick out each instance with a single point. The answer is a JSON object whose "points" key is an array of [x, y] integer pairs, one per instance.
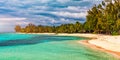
{"points": [[106, 43]]}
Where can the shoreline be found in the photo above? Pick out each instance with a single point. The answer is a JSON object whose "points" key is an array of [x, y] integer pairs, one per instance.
{"points": [[110, 44], [87, 44], [106, 43]]}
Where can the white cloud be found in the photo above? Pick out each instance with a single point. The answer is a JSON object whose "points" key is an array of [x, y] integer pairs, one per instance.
{"points": [[73, 8], [12, 19], [69, 14], [63, 1], [8, 23]]}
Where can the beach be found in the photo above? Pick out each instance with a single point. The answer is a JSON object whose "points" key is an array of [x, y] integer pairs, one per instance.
{"points": [[106, 43]]}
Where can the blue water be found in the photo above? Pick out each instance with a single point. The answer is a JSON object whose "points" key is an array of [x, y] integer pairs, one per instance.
{"points": [[46, 47]]}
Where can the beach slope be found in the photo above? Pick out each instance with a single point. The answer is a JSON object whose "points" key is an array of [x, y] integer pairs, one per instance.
{"points": [[106, 43]]}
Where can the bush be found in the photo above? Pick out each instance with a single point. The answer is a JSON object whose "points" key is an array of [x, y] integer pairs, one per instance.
{"points": [[115, 33]]}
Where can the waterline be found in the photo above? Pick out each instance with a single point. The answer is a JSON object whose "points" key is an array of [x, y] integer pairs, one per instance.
{"points": [[49, 48]]}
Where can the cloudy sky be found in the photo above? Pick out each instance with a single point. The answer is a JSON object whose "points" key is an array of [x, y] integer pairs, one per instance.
{"points": [[44, 12]]}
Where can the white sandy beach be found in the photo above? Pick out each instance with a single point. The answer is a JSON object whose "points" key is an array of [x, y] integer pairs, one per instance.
{"points": [[106, 43], [94, 36]]}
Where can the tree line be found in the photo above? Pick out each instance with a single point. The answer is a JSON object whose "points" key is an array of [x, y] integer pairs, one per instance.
{"points": [[103, 18], [64, 28]]}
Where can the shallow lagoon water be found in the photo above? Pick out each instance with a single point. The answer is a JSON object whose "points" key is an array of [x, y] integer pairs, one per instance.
{"points": [[46, 47]]}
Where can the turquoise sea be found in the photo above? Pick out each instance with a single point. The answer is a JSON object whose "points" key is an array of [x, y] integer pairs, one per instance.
{"points": [[46, 47]]}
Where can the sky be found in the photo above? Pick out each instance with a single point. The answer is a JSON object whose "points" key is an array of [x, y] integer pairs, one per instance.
{"points": [[42, 12]]}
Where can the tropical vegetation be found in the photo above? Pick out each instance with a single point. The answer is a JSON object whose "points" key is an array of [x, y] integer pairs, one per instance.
{"points": [[103, 18]]}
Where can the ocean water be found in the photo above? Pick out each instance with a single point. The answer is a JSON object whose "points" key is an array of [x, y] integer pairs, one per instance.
{"points": [[46, 47]]}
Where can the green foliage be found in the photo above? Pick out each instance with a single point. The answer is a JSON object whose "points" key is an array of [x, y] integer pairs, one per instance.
{"points": [[115, 33], [104, 18], [18, 28], [64, 28]]}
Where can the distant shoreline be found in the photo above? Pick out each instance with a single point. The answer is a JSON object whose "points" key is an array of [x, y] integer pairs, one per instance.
{"points": [[39, 33]]}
